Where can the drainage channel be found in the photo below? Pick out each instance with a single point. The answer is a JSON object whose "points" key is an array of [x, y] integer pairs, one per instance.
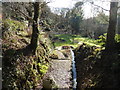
{"points": [[73, 70]]}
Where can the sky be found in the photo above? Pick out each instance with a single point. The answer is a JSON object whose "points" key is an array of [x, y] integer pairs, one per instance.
{"points": [[87, 8], [62, 3]]}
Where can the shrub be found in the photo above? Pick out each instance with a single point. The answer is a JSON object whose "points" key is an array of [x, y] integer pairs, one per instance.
{"points": [[9, 24], [102, 39]]}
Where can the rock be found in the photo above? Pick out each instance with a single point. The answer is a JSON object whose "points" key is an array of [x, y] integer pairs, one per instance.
{"points": [[53, 56], [49, 83], [58, 48], [67, 53], [59, 54]]}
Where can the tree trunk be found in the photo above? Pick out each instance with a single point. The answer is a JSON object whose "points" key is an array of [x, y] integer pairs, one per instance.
{"points": [[35, 34], [110, 42], [109, 56]]}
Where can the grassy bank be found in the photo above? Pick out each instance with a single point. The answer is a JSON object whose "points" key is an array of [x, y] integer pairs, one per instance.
{"points": [[74, 40]]}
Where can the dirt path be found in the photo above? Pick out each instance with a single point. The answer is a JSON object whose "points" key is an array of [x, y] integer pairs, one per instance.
{"points": [[61, 73]]}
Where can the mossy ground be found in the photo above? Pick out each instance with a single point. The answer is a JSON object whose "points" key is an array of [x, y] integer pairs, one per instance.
{"points": [[22, 69]]}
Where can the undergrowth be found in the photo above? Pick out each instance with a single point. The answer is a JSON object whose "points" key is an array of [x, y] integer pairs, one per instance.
{"points": [[93, 71], [21, 69]]}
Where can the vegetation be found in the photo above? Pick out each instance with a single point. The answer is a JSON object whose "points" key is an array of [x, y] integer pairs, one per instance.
{"points": [[102, 39], [91, 70], [22, 69], [32, 35], [73, 40]]}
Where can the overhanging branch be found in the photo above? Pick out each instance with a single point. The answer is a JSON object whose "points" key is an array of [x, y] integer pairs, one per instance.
{"points": [[99, 6]]}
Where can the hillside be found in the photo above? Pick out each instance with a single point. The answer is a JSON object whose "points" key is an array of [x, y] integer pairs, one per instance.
{"points": [[22, 69]]}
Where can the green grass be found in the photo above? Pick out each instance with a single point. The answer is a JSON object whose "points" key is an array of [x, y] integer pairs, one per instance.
{"points": [[68, 40], [74, 40]]}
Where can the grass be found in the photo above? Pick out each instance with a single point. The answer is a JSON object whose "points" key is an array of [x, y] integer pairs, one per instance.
{"points": [[74, 40]]}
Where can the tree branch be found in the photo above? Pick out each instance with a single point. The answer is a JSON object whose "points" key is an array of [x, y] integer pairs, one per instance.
{"points": [[99, 6]]}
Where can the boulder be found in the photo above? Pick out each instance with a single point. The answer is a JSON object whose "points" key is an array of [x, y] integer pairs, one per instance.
{"points": [[57, 55], [49, 83], [53, 56]]}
